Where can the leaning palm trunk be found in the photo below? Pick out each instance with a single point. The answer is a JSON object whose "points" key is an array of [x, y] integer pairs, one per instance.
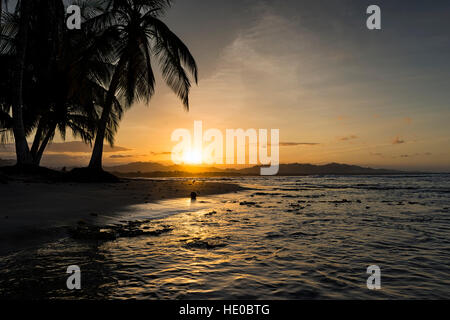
{"points": [[139, 33], [22, 151], [50, 133], [97, 152], [37, 139]]}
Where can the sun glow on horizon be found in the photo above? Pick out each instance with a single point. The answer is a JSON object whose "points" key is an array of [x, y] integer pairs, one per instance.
{"points": [[193, 157]]}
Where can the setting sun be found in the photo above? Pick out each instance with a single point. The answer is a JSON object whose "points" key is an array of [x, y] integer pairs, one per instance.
{"points": [[192, 157]]}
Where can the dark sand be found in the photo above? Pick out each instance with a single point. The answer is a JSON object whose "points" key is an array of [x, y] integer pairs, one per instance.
{"points": [[30, 211]]}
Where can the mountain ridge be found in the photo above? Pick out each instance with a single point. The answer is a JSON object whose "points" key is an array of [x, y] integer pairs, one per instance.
{"points": [[156, 169]]}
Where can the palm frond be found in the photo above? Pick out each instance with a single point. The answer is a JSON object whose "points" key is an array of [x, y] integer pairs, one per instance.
{"points": [[174, 57]]}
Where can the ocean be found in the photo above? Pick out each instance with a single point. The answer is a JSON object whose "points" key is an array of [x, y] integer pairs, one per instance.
{"points": [[282, 238]]}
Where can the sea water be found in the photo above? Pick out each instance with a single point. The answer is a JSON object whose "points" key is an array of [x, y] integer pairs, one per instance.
{"points": [[282, 238]]}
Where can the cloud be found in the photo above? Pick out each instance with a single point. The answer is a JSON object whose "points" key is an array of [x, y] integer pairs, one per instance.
{"points": [[68, 147], [80, 147], [412, 155], [426, 154], [160, 153], [398, 140], [377, 154], [120, 156], [350, 137], [294, 144]]}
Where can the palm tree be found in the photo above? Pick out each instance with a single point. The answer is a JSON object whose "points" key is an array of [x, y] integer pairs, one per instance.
{"points": [[76, 94], [139, 37], [78, 111], [32, 20], [63, 89], [22, 151], [33, 36]]}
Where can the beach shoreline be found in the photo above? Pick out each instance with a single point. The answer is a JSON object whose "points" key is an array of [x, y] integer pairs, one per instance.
{"points": [[32, 212]]}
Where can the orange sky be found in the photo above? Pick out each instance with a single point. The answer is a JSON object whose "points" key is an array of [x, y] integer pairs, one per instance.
{"points": [[327, 101]]}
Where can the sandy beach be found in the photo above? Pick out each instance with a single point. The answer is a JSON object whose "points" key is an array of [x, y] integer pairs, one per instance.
{"points": [[31, 211]]}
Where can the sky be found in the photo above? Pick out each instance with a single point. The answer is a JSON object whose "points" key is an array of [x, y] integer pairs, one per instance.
{"points": [[337, 91]]}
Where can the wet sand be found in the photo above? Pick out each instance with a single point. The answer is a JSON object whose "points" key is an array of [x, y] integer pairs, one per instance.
{"points": [[38, 210]]}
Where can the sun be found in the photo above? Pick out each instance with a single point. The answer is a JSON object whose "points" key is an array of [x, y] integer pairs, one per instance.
{"points": [[192, 157]]}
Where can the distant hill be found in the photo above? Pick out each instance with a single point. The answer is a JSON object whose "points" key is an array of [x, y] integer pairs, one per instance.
{"points": [[152, 169], [311, 169], [158, 167], [139, 167]]}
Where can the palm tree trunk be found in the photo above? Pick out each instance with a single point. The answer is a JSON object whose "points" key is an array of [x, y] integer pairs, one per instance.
{"points": [[37, 159], [22, 151], [37, 139], [97, 152]]}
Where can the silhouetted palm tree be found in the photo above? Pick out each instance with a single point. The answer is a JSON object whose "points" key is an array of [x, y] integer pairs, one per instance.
{"points": [[22, 150], [140, 36], [32, 38], [62, 83]]}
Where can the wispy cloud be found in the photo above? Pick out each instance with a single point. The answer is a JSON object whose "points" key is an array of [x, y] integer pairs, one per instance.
{"points": [[68, 147], [426, 154], [294, 144], [350, 137], [121, 156], [377, 154], [165, 153]]}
